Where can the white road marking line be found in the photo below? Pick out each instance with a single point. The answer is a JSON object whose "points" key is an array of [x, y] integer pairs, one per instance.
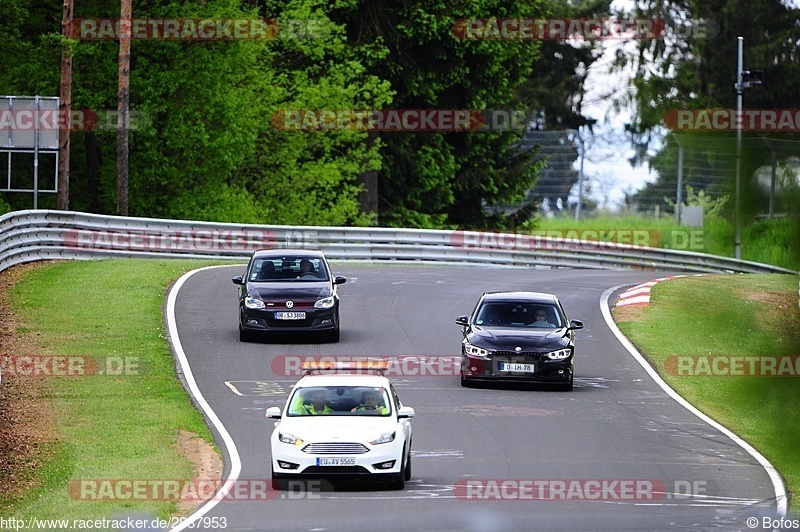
{"points": [[230, 385], [777, 482], [194, 390]]}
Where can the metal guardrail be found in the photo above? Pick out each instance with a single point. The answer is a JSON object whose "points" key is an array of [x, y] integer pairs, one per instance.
{"points": [[33, 235]]}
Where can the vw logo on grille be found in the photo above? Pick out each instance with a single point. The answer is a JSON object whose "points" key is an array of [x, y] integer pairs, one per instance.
{"points": [[289, 304], [518, 349]]}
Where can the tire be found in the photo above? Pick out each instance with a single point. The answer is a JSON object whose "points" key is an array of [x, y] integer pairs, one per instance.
{"points": [[568, 387], [278, 482], [407, 472], [399, 480]]}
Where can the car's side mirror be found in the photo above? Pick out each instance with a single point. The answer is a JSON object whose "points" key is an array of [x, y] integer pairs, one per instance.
{"points": [[575, 324], [463, 321], [405, 412], [274, 412], [340, 280], [237, 280]]}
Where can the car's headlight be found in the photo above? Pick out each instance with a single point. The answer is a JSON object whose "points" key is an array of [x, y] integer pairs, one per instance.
{"points": [[475, 350], [254, 303], [384, 438], [325, 302], [561, 354], [291, 439]]}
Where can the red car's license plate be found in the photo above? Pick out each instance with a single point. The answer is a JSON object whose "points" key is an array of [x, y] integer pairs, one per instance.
{"points": [[290, 315]]}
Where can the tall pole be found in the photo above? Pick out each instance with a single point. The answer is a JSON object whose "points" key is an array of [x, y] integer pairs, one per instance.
{"points": [[38, 105], [123, 106], [737, 237], [579, 207], [679, 192], [65, 109]]}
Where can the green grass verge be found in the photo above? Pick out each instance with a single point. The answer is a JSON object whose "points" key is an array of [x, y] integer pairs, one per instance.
{"points": [[121, 426], [742, 315]]}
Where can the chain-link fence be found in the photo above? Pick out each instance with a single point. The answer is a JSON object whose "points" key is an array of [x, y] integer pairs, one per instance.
{"points": [[582, 174], [561, 153], [691, 165]]}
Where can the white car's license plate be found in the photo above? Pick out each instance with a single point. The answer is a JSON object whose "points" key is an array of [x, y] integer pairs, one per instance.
{"points": [[336, 461], [290, 315], [522, 368]]}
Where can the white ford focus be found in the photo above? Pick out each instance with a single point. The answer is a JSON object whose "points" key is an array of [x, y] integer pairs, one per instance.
{"points": [[345, 425]]}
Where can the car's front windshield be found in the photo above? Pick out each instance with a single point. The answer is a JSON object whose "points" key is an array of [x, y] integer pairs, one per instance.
{"points": [[295, 269], [514, 314], [340, 401]]}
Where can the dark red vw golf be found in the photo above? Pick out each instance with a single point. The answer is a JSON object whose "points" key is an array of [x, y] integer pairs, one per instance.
{"points": [[288, 291]]}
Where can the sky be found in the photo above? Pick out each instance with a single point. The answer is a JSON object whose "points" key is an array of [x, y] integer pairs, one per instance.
{"points": [[607, 163]]}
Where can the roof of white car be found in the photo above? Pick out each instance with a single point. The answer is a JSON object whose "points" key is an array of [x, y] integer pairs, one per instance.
{"points": [[343, 379]]}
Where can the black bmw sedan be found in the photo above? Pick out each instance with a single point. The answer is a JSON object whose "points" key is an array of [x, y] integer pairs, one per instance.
{"points": [[288, 291], [518, 336]]}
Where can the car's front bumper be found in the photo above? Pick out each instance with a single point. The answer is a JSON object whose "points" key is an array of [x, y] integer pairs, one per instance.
{"points": [[365, 464], [488, 369], [264, 320]]}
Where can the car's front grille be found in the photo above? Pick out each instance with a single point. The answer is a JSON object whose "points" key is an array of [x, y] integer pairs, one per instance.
{"points": [[335, 448], [290, 323], [519, 357], [280, 304]]}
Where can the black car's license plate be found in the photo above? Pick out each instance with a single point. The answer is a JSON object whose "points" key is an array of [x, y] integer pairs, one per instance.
{"points": [[290, 315], [520, 368]]}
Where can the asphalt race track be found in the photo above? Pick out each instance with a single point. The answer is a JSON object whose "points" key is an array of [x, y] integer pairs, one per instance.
{"points": [[617, 425]]}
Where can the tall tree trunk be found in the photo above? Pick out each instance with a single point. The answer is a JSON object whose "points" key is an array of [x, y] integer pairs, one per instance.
{"points": [[123, 106], [65, 109]]}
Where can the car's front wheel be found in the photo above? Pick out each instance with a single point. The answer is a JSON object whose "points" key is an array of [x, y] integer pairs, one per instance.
{"points": [[278, 480], [407, 472], [399, 480]]}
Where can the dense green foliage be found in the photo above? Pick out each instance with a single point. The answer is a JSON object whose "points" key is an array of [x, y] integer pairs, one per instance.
{"points": [[697, 71], [206, 145]]}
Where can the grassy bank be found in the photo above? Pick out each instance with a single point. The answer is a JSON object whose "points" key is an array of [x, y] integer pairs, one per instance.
{"points": [[751, 316], [118, 412]]}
